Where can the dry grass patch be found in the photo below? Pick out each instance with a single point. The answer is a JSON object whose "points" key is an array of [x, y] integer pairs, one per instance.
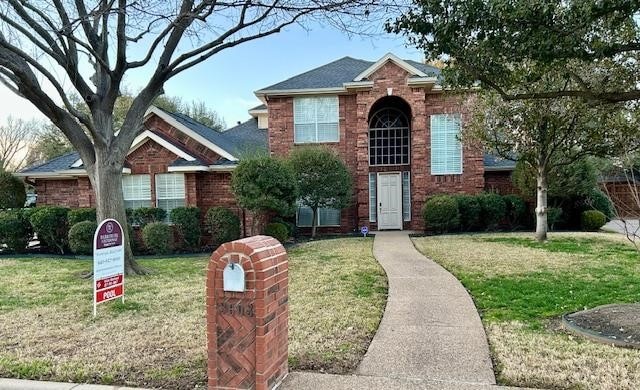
{"points": [[521, 289], [553, 359], [157, 337]]}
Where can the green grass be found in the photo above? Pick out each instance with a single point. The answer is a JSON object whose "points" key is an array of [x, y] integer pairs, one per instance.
{"points": [[157, 338], [521, 288]]}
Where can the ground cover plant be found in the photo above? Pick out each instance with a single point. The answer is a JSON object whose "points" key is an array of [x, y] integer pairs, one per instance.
{"points": [[521, 288], [157, 337]]}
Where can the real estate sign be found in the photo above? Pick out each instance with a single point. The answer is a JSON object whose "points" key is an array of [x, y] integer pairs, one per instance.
{"points": [[108, 262]]}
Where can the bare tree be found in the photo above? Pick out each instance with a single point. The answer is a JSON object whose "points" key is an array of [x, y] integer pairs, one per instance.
{"points": [[15, 138], [624, 195], [50, 49]]}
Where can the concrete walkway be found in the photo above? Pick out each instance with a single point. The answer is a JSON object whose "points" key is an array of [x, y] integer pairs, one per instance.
{"points": [[431, 328], [430, 337]]}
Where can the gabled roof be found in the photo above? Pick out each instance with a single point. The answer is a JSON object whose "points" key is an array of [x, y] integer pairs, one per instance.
{"points": [[230, 145], [59, 163], [336, 74], [495, 163], [247, 137]]}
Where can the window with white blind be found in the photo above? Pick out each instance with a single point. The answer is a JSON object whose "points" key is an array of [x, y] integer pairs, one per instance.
{"points": [[136, 190], [446, 149], [170, 192], [326, 217], [406, 196], [373, 199], [315, 119]]}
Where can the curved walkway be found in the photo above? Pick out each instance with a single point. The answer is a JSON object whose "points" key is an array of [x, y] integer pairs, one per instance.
{"points": [[431, 328]]}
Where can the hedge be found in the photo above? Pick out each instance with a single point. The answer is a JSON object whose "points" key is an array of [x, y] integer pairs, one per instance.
{"points": [[15, 230], [146, 215], [187, 223], [81, 237], [158, 238], [441, 213], [12, 192], [277, 230], [51, 226], [515, 210], [493, 209], [592, 220], [223, 225], [76, 216], [469, 209]]}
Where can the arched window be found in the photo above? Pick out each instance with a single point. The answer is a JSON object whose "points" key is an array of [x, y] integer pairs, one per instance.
{"points": [[389, 137]]}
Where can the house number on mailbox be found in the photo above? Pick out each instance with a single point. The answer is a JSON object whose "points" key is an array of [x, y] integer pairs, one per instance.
{"points": [[233, 278]]}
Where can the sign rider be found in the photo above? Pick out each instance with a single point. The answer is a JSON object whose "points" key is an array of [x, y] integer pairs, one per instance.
{"points": [[108, 263]]}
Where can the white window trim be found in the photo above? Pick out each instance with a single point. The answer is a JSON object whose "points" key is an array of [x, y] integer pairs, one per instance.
{"points": [[297, 142], [431, 143]]}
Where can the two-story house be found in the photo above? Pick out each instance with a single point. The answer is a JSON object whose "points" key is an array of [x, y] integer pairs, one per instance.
{"points": [[391, 121]]}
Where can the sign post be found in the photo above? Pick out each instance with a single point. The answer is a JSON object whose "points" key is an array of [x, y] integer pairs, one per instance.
{"points": [[364, 230], [108, 263]]}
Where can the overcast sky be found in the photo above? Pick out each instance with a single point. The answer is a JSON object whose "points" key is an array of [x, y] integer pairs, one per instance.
{"points": [[226, 82]]}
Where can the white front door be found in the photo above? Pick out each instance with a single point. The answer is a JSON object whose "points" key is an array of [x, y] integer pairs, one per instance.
{"points": [[389, 201]]}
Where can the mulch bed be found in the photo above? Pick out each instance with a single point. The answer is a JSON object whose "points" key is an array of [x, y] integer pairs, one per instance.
{"points": [[610, 324]]}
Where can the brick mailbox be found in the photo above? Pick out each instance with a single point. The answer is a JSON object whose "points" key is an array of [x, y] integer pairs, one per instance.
{"points": [[247, 314]]}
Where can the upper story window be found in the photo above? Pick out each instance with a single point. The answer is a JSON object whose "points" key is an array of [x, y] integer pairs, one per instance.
{"points": [[389, 137], [136, 190], [315, 119], [446, 148], [170, 192]]}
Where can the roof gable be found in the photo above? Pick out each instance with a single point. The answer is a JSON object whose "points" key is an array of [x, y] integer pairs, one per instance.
{"points": [[411, 69]]}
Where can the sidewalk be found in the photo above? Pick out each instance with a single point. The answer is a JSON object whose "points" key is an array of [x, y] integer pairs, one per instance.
{"points": [[19, 384]]}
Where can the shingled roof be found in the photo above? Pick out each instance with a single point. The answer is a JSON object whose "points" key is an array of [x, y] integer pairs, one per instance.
{"points": [[335, 74]]}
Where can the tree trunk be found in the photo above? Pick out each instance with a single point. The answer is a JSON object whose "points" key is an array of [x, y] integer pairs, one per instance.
{"points": [[541, 205], [106, 178], [314, 221]]}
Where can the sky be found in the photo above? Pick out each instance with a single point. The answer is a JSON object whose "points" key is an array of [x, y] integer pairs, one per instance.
{"points": [[226, 81]]}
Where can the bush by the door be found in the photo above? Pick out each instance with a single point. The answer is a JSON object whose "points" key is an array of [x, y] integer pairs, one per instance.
{"points": [[441, 213]]}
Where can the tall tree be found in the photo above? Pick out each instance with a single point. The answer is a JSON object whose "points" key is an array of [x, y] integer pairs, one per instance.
{"points": [[323, 180], [547, 134], [50, 49], [16, 135], [508, 44], [49, 142]]}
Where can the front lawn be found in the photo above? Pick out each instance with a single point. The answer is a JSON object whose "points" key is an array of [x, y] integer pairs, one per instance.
{"points": [[521, 289], [157, 337]]}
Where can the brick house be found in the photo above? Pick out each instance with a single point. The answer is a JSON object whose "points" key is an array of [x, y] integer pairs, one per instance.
{"points": [[390, 120]]}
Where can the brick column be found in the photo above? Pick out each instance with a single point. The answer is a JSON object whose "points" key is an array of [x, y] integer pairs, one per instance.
{"points": [[247, 332]]}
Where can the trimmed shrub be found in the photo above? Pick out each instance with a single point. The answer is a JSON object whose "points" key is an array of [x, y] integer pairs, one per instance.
{"points": [[493, 210], [515, 210], [76, 216], [81, 237], [157, 237], [553, 216], [598, 200], [146, 215], [137, 247], [278, 231], [441, 214], [291, 227], [469, 209], [15, 230], [12, 192], [223, 225], [187, 222], [592, 220], [51, 226]]}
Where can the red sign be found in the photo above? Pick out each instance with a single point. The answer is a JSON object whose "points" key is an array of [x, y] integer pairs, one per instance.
{"points": [[108, 281], [109, 234], [109, 293]]}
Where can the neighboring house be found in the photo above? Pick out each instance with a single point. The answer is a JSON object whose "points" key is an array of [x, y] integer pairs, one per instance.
{"points": [[390, 120], [174, 162]]}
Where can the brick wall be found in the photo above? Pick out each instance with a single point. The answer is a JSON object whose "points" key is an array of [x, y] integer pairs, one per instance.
{"points": [[57, 193], [500, 182], [624, 199], [354, 140], [195, 148]]}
